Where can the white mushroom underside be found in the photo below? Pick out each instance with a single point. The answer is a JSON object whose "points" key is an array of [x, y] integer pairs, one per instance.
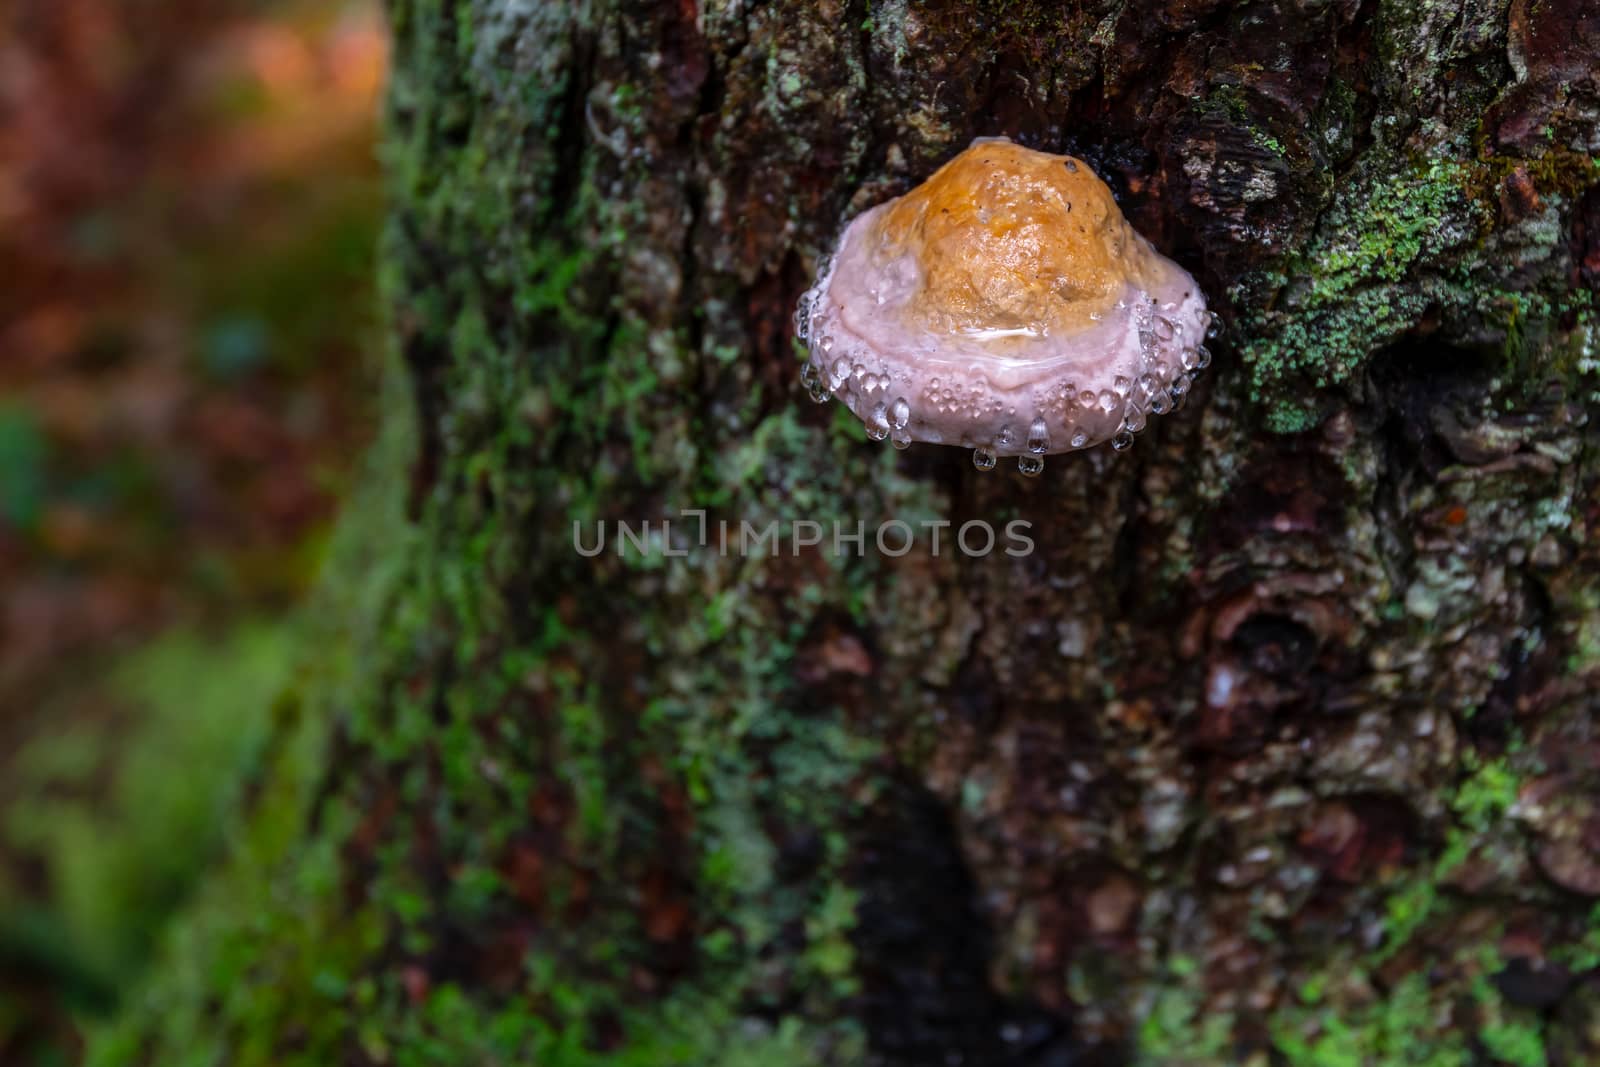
{"points": [[1014, 392]]}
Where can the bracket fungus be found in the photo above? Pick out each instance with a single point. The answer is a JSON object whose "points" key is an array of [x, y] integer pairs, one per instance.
{"points": [[1003, 305]]}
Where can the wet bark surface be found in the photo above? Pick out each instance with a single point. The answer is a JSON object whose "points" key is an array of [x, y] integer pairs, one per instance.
{"points": [[1279, 746]]}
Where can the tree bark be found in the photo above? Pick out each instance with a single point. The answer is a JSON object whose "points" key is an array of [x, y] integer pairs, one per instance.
{"points": [[1279, 747]]}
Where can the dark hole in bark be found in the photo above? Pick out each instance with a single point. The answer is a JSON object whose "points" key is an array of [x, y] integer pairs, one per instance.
{"points": [[1413, 381], [1275, 645], [974, 693], [1533, 983], [1528, 661], [923, 954]]}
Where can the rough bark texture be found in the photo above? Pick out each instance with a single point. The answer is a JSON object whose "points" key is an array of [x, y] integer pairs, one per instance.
{"points": [[1281, 746]]}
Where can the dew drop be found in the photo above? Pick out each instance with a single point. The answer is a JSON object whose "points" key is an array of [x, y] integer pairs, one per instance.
{"points": [[839, 374], [1030, 466], [1133, 419], [900, 414], [983, 459], [878, 424], [1180, 387], [1122, 441], [1202, 357], [811, 378], [802, 317], [900, 439], [1079, 439], [1160, 403], [1005, 438], [1145, 328], [1038, 437], [1108, 401], [1121, 385]]}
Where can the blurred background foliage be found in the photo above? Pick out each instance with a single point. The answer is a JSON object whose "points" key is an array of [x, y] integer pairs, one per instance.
{"points": [[189, 208]]}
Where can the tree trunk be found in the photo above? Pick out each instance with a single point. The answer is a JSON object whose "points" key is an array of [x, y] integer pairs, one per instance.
{"points": [[1278, 747]]}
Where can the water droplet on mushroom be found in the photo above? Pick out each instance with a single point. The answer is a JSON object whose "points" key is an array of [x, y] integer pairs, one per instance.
{"points": [[1122, 441], [1160, 403], [802, 317], [900, 414], [839, 374], [1030, 466], [1144, 327], [878, 424], [1108, 401], [1005, 438], [811, 377], [1039, 436], [900, 439], [983, 459], [1079, 439], [1133, 419], [1202, 357]]}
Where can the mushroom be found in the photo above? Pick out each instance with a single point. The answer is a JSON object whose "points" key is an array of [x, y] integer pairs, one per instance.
{"points": [[1003, 305]]}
